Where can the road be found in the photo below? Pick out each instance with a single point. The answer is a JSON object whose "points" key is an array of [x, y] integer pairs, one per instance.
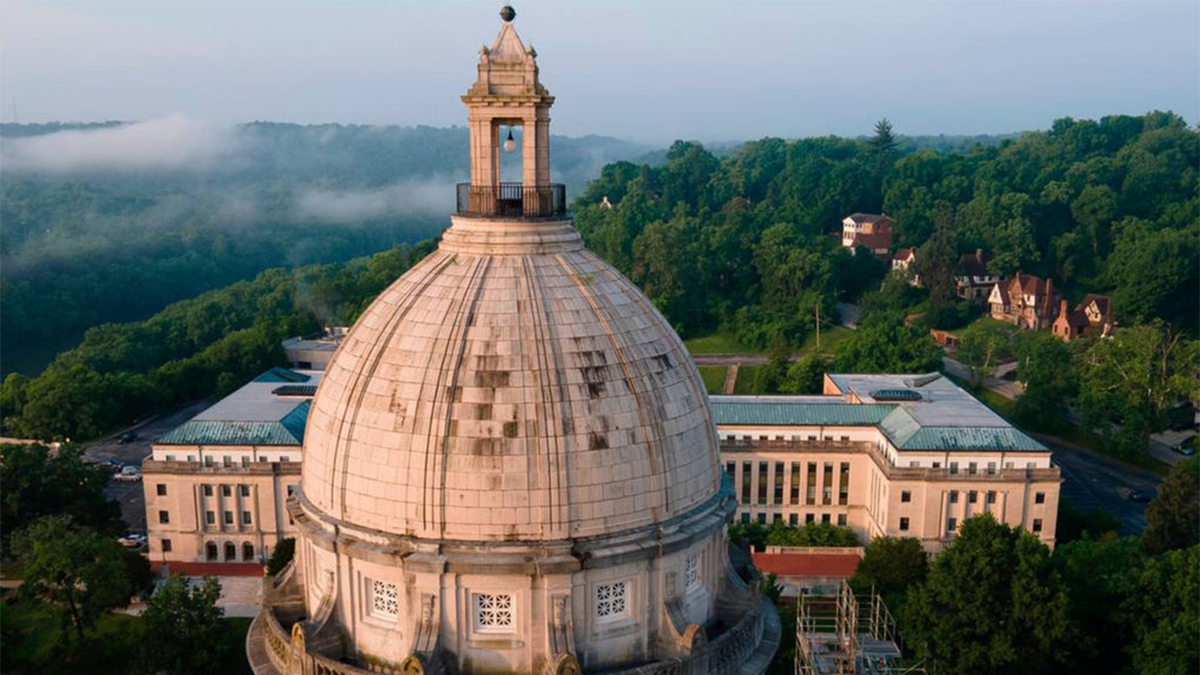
{"points": [[1092, 482], [129, 494]]}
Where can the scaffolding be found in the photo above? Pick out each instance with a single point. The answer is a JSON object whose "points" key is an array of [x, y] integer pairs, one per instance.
{"points": [[837, 634]]}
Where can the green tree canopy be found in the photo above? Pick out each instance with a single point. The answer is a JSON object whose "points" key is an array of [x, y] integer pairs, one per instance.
{"points": [[992, 604], [888, 346], [1173, 518], [35, 482], [1166, 621], [183, 628], [74, 566], [892, 565]]}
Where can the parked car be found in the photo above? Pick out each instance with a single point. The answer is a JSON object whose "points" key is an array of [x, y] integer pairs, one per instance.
{"points": [[1142, 496], [1185, 449], [114, 465], [126, 437], [129, 473], [132, 540]]}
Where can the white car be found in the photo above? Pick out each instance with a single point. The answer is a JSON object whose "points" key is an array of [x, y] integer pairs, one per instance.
{"points": [[129, 473], [132, 540]]}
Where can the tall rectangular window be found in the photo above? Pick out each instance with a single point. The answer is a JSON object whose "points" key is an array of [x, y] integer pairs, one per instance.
{"points": [[827, 484], [762, 483], [954, 496], [795, 483], [731, 469], [166, 545], [246, 517], [1039, 498], [745, 482], [904, 524], [841, 520], [778, 483], [811, 495], [844, 487], [164, 517], [245, 490], [210, 518], [951, 524]]}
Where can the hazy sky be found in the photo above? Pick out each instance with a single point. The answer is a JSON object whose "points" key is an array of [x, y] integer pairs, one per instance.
{"points": [[649, 71]]}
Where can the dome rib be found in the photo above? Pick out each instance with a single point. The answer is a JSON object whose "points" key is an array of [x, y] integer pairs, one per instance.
{"points": [[654, 443], [337, 497], [460, 327]]}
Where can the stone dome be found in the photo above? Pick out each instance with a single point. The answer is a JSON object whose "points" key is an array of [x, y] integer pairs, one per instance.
{"points": [[511, 387]]}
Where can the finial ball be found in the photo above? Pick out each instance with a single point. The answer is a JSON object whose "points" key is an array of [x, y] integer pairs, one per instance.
{"points": [[507, 13]]}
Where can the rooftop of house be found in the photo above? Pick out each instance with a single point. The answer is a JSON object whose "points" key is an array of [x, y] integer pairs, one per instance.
{"points": [[915, 412], [270, 410], [326, 340], [861, 218]]}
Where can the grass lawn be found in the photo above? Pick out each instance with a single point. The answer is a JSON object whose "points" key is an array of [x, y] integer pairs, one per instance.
{"points": [[829, 340], [714, 378], [745, 380], [34, 641], [718, 343], [989, 324], [10, 570]]}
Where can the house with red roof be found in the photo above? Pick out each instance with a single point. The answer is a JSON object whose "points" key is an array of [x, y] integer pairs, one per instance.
{"points": [[1092, 316], [1026, 301], [869, 230], [972, 280]]}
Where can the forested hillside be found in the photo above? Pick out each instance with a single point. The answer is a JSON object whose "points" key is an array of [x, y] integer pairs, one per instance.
{"points": [[747, 243], [111, 222]]}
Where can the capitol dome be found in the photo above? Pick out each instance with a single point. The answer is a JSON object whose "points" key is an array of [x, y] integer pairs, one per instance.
{"points": [[510, 465], [511, 386]]}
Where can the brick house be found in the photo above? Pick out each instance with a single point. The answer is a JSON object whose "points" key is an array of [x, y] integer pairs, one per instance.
{"points": [[1093, 316], [1025, 301], [972, 281], [873, 231]]}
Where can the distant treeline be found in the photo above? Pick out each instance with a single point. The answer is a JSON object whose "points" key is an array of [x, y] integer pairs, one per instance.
{"points": [[210, 344], [85, 246]]}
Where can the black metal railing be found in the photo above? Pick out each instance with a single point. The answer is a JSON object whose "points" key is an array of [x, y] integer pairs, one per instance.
{"points": [[512, 200]]}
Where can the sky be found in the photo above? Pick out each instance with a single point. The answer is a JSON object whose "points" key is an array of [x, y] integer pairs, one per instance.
{"points": [[645, 71]]}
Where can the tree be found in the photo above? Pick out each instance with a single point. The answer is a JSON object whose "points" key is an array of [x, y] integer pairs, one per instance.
{"points": [[281, 555], [992, 604], [1173, 518], [811, 534], [178, 619], [1131, 379], [1045, 365], [888, 346], [72, 565], [980, 348], [1095, 209], [1165, 618], [937, 259], [1101, 576], [892, 565], [805, 376], [35, 482], [1152, 271]]}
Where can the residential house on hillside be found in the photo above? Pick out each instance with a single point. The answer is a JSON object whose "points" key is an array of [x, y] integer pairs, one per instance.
{"points": [[1025, 301], [973, 281], [873, 231], [902, 262], [1093, 316]]}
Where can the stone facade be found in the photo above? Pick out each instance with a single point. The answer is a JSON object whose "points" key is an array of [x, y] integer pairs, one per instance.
{"points": [[877, 476]]}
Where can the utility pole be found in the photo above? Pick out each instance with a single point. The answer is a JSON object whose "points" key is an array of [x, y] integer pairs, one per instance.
{"points": [[818, 324]]}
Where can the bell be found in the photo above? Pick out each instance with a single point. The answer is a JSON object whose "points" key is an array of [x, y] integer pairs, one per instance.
{"points": [[509, 143]]}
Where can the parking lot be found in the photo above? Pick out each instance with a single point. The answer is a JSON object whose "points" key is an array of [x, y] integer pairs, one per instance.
{"points": [[129, 493]]}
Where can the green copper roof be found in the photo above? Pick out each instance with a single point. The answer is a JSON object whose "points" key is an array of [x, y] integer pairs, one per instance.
{"points": [[282, 375], [752, 411], [211, 432]]}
